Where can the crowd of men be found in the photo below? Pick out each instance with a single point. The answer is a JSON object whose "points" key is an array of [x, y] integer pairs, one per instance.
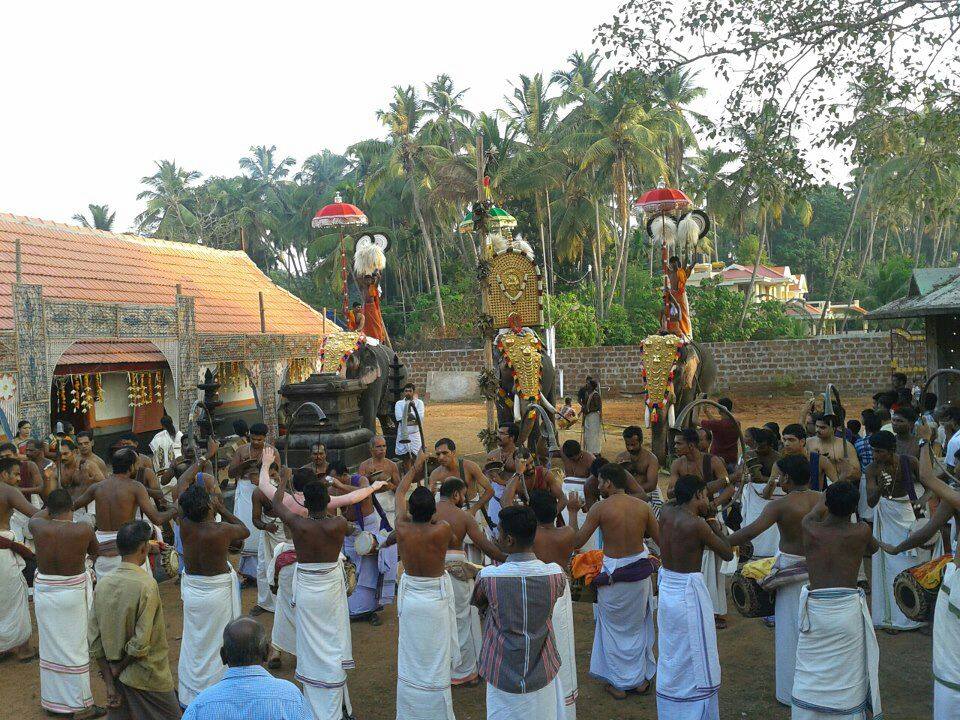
{"points": [[491, 555]]}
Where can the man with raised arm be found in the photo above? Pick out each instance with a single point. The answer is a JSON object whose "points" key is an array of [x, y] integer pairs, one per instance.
{"points": [[427, 648], [463, 526], [244, 468], [62, 596], [688, 665], [379, 467], [837, 653], [118, 497], [642, 465], [76, 475], [789, 572], [624, 634], [324, 647], [835, 449], [208, 587], [556, 545]]}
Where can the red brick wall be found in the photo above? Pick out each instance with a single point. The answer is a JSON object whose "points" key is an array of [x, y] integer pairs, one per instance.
{"points": [[857, 363]]}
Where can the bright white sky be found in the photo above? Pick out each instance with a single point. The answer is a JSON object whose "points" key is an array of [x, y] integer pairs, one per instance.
{"points": [[94, 93]]}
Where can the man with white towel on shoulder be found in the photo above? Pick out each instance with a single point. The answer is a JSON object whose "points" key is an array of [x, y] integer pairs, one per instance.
{"points": [[118, 497], [428, 646], [407, 410], [837, 653], [688, 664], [624, 635], [789, 573], [209, 588], [62, 597]]}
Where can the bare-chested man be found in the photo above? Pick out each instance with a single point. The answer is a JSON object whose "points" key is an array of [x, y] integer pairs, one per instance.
{"points": [[837, 654], [76, 475], [463, 526], [143, 471], [379, 467], [118, 497], [61, 588], [34, 488], [209, 588], [479, 490], [556, 545], [427, 626], [324, 648], [688, 665], [503, 464], [904, 421], [245, 469], [272, 534], [14, 609], [85, 446], [529, 477], [318, 461], [789, 572], [624, 635], [642, 465], [835, 449]]}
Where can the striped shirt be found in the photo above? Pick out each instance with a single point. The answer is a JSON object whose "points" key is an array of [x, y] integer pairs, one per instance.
{"points": [[519, 653], [249, 693], [864, 452]]}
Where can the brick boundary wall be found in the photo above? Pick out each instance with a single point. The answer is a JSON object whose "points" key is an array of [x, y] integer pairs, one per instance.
{"points": [[857, 363]]}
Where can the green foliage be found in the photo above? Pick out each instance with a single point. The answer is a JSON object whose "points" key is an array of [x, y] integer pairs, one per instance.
{"points": [[616, 328], [746, 251], [576, 322], [716, 313]]}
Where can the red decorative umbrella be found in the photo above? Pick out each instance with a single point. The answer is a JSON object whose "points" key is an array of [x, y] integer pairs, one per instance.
{"points": [[338, 213], [662, 200]]}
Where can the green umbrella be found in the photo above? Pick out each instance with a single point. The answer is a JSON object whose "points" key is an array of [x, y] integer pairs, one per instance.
{"points": [[498, 219]]}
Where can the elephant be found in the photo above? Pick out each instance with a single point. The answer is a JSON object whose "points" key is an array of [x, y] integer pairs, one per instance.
{"points": [[371, 365], [508, 397], [690, 382]]}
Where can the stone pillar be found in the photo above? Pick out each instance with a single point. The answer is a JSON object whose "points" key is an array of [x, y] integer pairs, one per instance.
{"points": [[33, 374]]}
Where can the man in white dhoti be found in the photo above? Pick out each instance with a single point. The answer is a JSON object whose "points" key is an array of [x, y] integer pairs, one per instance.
{"points": [[271, 535], [837, 652], [759, 488], [63, 596], [428, 647], [244, 468], [324, 648], [642, 464], [379, 467], [118, 498], [789, 573], [209, 588], [592, 410], [688, 665], [890, 482], [14, 609], [519, 658], [623, 637], [462, 571], [283, 638], [409, 413], [556, 545]]}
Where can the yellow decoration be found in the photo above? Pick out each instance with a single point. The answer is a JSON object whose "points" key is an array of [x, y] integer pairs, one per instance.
{"points": [[300, 369], [522, 352], [659, 362], [336, 348], [512, 290], [232, 375]]}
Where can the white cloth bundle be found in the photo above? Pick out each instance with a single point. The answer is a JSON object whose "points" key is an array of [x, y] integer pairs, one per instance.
{"points": [[566, 647], [893, 522], [786, 630], [284, 633], [575, 484], [243, 509], [209, 603], [688, 665], [946, 648], [469, 633], [624, 633], [108, 560], [62, 603], [427, 647], [767, 543], [324, 646], [837, 656]]}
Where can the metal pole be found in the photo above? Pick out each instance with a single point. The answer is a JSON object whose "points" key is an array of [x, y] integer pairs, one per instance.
{"points": [[263, 314], [481, 231]]}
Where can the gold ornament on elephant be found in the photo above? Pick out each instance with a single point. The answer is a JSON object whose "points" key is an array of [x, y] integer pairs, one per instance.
{"points": [[336, 348], [523, 355], [660, 356], [512, 287]]}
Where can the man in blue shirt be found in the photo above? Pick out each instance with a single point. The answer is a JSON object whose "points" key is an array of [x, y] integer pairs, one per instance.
{"points": [[247, 690]]}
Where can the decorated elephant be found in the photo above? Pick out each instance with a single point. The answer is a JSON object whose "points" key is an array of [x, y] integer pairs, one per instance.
{"points": [[527, 377], [675, 373], [358, 357]]}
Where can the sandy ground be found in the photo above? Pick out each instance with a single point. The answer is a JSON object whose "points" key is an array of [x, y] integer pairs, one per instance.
{"points": [[746, 646]]}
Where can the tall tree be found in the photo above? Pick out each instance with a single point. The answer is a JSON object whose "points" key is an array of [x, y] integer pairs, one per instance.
{"points": [[101, 217], [170, 201]]}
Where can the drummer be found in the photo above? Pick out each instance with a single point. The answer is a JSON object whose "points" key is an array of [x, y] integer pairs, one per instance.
{"points": [[476, 495], [379, 467], [318, 461], [642, 465]]}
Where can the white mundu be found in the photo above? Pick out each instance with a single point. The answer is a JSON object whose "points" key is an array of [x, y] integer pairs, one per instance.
{"points": [[946, 648], [15, 625], [408, 431]]}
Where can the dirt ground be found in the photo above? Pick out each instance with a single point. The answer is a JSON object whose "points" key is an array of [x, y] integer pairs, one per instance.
{"points": [[746, 646]]}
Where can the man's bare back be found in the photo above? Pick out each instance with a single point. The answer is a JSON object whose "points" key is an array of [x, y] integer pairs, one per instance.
{"points": [[835, 547], [553, 544], [206, 544], [423, 546], [118, 499], [318, 537], [62, 545], [683, 537], [462, 525], [787, 513]]}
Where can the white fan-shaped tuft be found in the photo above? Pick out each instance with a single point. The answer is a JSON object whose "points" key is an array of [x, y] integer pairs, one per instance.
{"points": [[368, 256]]}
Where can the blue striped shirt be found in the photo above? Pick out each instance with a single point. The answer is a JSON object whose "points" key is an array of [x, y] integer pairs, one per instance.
{"points": [[251, 693]]}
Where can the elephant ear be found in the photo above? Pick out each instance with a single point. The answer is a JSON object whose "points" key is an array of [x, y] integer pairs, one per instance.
{"points": [[369, 368]]}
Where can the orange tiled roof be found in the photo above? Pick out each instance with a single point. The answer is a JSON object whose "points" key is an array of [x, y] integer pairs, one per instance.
{"points": [[74, 263], [92, 352]]}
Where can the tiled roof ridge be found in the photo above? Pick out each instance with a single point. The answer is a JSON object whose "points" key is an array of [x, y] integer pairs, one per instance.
{"points": [[40, 223]]}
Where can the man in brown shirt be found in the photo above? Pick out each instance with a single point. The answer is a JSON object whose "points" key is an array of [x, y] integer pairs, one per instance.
{"points": [[128, 637]]}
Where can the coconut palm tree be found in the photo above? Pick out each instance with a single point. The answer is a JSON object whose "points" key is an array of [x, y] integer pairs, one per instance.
{"points": [[677, 90], [449, 121], [170, 200], [101, 218]]}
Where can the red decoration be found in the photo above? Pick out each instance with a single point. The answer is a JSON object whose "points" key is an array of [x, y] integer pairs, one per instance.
{"points": [[661, 200], [339, 213]]}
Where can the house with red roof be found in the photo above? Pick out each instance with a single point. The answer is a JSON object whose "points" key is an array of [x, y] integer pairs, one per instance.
{"points": [[109, 331]]}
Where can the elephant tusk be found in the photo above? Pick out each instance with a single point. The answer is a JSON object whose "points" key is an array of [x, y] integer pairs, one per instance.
{"points": [[547, 406], [516, 408]]}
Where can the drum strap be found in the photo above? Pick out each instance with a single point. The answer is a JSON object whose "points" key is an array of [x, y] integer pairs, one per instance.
{"points": [[906, 475], [384, 521], [463, 476], [815, 471]]}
